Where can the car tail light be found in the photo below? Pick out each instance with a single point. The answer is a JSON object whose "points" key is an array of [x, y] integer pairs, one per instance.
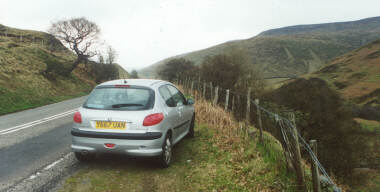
{"points": [[77, 117], [153, 119], [109, 145]]}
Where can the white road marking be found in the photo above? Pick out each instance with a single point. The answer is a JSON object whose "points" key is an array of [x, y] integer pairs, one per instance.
{"points": [[51, 165], [37, 122], [34, 176]]}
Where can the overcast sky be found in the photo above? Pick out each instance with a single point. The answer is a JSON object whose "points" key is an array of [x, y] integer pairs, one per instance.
{"points": [[146, 31]]}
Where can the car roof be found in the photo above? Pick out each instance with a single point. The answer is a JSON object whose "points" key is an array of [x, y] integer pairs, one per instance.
{"points": [[139, 82]]}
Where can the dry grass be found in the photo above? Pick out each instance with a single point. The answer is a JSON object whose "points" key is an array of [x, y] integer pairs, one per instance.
{"points": [[221, 157], [216, 118]]}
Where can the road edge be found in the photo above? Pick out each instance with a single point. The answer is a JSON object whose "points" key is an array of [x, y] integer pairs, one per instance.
{"points": [[48, 177]]}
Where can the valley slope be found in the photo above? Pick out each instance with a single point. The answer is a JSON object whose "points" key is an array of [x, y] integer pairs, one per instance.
{"points": [[356, 75], [294, 50]]}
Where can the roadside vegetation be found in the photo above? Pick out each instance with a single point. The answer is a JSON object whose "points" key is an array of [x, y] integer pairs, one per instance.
{"points": [[233, 71], [346, 129], [27, 98], [222, 157], [322, 115]]}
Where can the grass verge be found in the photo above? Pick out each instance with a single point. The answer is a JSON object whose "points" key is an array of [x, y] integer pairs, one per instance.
{"points": [[25, 99], [25, 96], [221, 157]]}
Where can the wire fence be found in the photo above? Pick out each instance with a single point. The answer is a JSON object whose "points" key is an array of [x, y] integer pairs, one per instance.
{"points": [[239, 104], [26, 38]]}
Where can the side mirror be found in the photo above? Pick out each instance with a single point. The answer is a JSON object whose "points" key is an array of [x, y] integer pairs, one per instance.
{"points": [[170, 103], [190, 102]]}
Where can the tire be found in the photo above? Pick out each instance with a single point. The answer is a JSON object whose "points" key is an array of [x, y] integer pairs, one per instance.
{"points": [[190, 134], [165, 158], [84, 158]]}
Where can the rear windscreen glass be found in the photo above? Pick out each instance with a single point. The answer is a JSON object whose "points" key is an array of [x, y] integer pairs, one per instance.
{"points": [[114, 98]]}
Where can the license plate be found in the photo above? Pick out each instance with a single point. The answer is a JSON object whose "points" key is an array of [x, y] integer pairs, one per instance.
{"points": [[110, 125]]}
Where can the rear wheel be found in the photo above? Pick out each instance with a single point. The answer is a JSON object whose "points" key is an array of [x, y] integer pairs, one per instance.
{"points": [[190, 134], [84, 157], [166, 157]]}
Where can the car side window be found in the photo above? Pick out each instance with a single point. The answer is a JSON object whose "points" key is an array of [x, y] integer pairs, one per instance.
{"points": [[165, 94], [178, 97]]}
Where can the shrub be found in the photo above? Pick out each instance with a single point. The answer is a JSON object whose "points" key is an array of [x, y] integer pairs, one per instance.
{"points": [[103, 72], [368, 112], [178, 68], [323, 115], [233, 71], [54, 67], [12, 45]]}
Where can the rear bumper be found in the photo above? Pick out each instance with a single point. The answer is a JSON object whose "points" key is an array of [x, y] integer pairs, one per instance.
{"points": [[130, 136], [141, 144]]}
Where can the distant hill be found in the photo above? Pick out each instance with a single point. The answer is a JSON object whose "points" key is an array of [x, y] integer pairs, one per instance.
{"points": [[24, 56], [356, 75], [363, 25], [294, 50]]}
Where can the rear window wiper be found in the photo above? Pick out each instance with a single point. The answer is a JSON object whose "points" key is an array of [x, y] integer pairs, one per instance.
{"points": [[126, 105]]}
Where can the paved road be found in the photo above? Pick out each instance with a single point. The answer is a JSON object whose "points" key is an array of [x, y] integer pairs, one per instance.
{"points": [[33, 139]]}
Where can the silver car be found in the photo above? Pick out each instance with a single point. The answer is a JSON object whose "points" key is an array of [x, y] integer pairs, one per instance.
{"points": [[137, 117]]}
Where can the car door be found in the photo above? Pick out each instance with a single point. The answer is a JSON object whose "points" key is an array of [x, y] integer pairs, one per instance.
{"points": [[171, 110], [181, 106]]}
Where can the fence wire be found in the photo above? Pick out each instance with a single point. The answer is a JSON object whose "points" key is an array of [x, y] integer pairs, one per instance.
{"points": [[285, 124]]}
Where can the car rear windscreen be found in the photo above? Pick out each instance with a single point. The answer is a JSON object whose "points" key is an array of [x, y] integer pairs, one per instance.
{"points": [[120, 98]]}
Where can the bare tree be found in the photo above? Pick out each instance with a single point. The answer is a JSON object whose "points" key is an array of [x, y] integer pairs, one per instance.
{"points": [[111, 55], [80, 35]]}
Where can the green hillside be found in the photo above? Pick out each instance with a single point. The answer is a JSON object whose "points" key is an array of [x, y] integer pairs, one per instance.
{"points": [[27, 62], [356, 75], [301, 50]]}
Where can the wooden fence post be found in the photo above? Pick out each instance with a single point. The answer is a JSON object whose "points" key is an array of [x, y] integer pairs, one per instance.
{"points": [[257, 101], [247, 112], [233, 104], [211, 91], [227, 98], [238, 103], [199, 85], [204, 90], [297, 156], [192, 88], [314, 168], [216, 96]]}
